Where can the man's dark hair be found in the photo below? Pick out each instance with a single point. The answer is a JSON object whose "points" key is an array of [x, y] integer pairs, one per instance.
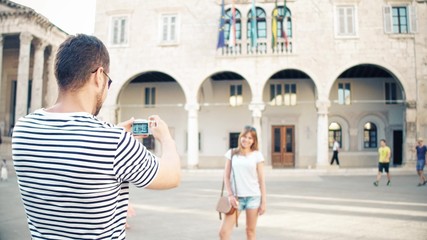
{"points": [[77, 58], [383, 140]]}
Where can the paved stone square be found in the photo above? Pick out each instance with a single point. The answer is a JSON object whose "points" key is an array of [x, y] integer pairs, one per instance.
{"points": [[302, 204]]}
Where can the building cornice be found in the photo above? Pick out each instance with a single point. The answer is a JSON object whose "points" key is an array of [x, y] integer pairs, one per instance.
{"points": [[20, 11]]}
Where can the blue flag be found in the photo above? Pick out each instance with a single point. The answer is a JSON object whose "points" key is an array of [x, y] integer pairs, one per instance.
{"points": [[221, 38], [253, 26]]}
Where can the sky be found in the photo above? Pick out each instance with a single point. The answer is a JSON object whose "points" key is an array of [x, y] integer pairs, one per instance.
{"points": [[72, 16]]}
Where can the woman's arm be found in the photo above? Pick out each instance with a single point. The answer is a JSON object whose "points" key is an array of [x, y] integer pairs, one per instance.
{"points": [[227, 182], [261, 181]]}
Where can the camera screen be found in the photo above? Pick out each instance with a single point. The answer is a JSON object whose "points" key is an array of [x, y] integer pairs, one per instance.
{"points": [[140, 128]]}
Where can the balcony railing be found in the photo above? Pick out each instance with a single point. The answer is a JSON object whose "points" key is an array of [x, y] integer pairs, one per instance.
{"points": [[263, 47]]}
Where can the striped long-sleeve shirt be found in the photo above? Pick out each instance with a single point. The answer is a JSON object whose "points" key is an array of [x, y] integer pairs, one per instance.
{"points": [[74, 172]]}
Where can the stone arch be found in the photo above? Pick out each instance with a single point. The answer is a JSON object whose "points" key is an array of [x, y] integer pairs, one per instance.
{"points": [[164, 75], [221, 113], [345, 129], [382, 66], [380, 123], [294, 73]]}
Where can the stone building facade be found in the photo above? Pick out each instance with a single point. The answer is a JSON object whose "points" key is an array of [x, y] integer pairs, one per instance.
{"points": [[28, 42], [354, 70]]}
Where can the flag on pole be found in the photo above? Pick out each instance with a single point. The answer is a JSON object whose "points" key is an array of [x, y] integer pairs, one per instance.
{"points": [[232, 35], [221, 40], [253, 26], [284, 24], [274, 26]]}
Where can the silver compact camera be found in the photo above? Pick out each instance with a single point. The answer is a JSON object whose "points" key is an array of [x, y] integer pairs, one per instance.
{"points": [[141, 127]]}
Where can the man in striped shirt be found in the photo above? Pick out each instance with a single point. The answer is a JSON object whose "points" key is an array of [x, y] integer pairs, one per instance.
{"points": [[74, 170]]}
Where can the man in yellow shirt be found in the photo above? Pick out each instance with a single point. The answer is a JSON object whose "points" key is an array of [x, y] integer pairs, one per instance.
{"points": [[384, 162]]}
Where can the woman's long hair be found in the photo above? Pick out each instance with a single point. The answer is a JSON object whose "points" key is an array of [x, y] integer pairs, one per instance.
{"points": [[252, 131]]}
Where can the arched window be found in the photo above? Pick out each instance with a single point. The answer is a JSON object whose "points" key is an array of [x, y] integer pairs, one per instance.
{"points": [[228, 24], [335, 132], [370, 135], [287, 21], [261, 24]]}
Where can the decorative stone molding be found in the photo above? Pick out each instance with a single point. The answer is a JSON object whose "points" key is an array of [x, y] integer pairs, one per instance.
{"points": [[411, 104]]}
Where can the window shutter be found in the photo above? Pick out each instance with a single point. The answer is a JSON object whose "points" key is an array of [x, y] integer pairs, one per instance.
{"points": [[172, 28], [387, 19], [115, 31], [341, 21], [165, 28], [413, 19], [350, 21]]}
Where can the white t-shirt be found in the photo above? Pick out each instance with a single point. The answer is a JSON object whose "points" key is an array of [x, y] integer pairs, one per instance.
{"points": [[336, 146], [246, 175]]}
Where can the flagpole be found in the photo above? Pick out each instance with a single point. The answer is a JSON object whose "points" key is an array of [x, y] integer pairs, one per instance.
{"points": [[253, 26], [232, 35], [274, 27], [221, 40], [284, 24]]}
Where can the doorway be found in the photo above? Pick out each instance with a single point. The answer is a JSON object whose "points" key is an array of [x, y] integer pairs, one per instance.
{"points": [[283, 147], [397, 147]]}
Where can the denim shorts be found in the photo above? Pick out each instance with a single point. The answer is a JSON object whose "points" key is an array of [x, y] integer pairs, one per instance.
{"points": [[249, 203], [420, 165]]}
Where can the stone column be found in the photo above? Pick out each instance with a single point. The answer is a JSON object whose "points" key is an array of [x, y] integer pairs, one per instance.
{"points": [[52, 86], [23, 75], [256, 108], [322, 133], [193, 135], [2, 94], [410, 135], [38, 69]]}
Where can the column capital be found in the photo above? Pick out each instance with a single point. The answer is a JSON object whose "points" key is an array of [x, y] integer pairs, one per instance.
{"points": [[257, 108], [253, 106], [192, 106], [323, 106], [40, 44], [25, 38]]}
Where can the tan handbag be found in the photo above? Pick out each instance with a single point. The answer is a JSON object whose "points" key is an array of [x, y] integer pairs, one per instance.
{"points": [[224, 206]]}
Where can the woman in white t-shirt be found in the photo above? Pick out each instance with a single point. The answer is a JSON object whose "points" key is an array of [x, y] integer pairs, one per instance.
{"points": [[246, 168]]}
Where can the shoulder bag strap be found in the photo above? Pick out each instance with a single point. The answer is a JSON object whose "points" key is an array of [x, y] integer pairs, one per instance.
{"points": [[235, 187], [223, 184]]}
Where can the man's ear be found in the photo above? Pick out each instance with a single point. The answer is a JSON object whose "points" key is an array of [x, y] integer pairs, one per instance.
{"points": [[98, 79]]}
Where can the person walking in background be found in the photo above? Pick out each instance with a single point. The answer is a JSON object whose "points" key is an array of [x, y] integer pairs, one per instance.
{"points": [[245, 183], [421, 161], [335, 149], [3, 170], [384, 153], [74, 171]]}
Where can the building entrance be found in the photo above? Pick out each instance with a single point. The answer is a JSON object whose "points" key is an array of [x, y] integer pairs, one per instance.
{"points": [[283, 147]]}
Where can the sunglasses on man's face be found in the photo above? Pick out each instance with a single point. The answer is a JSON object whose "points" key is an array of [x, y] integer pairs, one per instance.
{"points": [[109, 79]]}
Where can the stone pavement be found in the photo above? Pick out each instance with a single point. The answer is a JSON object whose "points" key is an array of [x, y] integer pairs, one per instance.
{"points": [[302, 204]]}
